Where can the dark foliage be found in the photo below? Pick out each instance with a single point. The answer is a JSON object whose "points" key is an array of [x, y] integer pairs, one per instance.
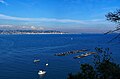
{"points": [[103, 67], [114, 17]]}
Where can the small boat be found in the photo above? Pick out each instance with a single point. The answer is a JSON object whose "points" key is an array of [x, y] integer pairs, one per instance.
{"points": [[42, 72], [37, 60], [46, 64]]}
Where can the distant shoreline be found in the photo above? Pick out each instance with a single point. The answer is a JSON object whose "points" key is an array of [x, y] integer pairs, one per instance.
{"points": [[55, 33], [32, 33], [9, 32], [40, 34], [51, 33]]}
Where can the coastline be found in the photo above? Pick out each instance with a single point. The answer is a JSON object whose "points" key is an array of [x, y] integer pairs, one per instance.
{"points": [[38, 33], [50, 33]]}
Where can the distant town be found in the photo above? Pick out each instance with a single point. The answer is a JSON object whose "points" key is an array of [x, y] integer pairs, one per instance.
{"points": [[31, 32]]}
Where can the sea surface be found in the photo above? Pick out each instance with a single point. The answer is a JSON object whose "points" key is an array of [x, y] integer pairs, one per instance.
{"points": [[17, 53]]}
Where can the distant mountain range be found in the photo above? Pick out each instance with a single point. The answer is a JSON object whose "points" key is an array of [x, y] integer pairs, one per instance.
{"points": [[31, 32]]}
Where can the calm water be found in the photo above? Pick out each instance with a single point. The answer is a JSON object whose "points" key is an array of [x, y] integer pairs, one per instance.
{"points": [[17, 53]]}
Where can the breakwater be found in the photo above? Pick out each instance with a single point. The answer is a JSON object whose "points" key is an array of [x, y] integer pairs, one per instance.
{"points": [[84, 55], [70, 52]]}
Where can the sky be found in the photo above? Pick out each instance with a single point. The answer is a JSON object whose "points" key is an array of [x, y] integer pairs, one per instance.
{"points": [[75, 16]]}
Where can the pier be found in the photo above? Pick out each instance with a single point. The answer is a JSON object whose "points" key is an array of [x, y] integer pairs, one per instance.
{"points": [[70, 52]]}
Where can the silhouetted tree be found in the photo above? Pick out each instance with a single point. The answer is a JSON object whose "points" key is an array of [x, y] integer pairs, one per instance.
{"points": [[103, 67], [114, 17]]}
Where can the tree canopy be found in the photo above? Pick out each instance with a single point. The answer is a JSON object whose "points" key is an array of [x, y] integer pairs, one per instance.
{"points": [[114, 17]]}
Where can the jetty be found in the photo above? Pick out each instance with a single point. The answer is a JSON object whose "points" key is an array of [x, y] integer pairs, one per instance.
{"points": [[70, 52], [84, 55]]}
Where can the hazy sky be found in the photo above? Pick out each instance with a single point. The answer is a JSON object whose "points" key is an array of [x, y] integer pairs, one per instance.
{"points": [[82, 16]]}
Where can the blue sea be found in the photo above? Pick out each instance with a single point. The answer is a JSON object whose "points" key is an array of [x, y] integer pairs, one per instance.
{"points": [[17, 53]]}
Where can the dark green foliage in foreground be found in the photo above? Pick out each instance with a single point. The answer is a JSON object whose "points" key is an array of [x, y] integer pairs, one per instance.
{"points": [[103, 67]]}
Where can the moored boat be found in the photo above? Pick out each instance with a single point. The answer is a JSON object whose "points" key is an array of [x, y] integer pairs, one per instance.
{"points": [[42, 72]]}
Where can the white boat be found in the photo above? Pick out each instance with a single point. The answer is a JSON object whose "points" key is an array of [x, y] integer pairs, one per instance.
{"points": [[46, 64], [41, 72]]}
